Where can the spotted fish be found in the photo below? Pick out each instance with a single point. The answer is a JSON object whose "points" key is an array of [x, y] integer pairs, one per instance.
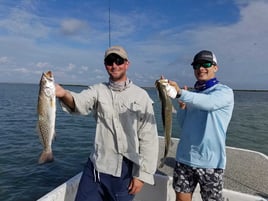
{"points": [[46, 109], [166, 112]]}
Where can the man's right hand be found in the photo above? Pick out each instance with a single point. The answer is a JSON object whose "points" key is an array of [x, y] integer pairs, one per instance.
{"points": [[65, 96], [175, 85], [60, 91]]}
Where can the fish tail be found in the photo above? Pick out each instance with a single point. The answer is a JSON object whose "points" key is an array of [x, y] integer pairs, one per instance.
{"points": [[162, 163], [46, 157]]}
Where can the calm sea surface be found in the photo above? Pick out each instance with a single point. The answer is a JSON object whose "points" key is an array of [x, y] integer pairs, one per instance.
{"points": [[22, 179]]}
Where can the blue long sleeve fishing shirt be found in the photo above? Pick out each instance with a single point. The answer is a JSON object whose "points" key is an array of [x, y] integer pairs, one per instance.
{"points": [[204, 124]]}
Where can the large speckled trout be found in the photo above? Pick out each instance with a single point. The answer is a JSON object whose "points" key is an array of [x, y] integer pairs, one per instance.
{"points": [[46, 115], [166, 111]]}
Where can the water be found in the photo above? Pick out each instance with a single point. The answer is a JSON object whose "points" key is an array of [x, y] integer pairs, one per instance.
{"points": [[22, 179]]}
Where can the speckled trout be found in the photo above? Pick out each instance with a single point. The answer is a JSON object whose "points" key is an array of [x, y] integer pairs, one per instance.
{"points": [[166, 112], [46, 109]]}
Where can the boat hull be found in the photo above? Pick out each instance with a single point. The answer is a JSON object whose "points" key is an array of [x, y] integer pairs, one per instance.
{"points": [[161, 191], [240, 176]]}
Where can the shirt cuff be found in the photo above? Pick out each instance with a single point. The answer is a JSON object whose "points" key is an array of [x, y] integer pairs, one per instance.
{"points": [[178, 94]]}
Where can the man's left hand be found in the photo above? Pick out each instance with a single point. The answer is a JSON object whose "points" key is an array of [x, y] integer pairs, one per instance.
{"points": [[135, 186]]}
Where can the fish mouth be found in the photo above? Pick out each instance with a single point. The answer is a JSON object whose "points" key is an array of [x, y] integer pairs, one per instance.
{"points": [[48, 75], [161, 82]]}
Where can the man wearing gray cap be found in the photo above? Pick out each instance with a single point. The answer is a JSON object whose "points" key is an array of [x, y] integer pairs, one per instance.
{"points": [[204, 116], [125, 151]]}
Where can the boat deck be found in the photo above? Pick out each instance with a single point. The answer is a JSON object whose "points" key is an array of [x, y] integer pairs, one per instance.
{"points": [[246, 179], [246, 171]]}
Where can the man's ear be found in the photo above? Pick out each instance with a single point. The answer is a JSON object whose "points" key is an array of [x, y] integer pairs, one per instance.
{"points": [[128, 64], [215, 69]]}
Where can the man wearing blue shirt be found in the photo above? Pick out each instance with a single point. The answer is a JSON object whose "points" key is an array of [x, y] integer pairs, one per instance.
{"points": [[204, 116]]}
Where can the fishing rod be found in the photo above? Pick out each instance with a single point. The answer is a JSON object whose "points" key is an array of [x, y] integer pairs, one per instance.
{"points": [[109, 23]]}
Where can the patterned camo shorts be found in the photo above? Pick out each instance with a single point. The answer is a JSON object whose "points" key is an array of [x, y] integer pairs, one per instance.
{"points": [[186, 178]]}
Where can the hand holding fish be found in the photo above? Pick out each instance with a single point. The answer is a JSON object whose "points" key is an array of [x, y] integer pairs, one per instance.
{"points": [[174, 91], [60, 91], [178, 89], [65, 96], [170, 90], [174, 85]]}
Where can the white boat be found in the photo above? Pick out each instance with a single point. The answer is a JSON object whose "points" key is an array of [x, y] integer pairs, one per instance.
{"points": [[163, 191]]}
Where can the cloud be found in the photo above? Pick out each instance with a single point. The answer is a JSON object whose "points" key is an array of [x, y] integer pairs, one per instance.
{"points": [[241, 48], [70, 67], [21, 70], [4, 60], [43, 65], [73, 26], [24, 24], [33, 40], [84, 68]]}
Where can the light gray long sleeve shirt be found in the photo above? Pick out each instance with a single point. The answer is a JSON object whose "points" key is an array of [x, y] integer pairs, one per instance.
{"points": [[126, 127]]}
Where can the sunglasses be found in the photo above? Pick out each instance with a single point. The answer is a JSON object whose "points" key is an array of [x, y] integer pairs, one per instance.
{"points": [[111, 59], [205, 65]]}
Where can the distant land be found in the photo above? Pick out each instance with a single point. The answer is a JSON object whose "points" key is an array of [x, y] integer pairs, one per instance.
{"points": [[190, 88], [144, 87]]}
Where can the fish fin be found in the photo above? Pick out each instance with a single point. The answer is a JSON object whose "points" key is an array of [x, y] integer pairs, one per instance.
{"points": [[37, 128], [54, 136], [52, 102], [46, 157], [39, 133], [174, 111], [162, 162]]}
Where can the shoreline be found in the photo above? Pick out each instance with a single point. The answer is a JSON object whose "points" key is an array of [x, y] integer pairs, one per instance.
{"points": [[144, 87]]}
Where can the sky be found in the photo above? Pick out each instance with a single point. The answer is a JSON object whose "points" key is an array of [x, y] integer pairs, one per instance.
{"points": [[69, 37]]}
